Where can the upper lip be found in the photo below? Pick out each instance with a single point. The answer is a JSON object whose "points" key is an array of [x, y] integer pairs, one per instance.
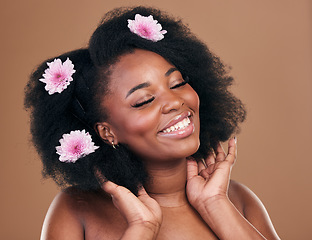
{"points": [[176, 119]]}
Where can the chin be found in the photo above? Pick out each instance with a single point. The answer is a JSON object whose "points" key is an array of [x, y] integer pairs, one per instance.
{"points": [[187, 151]]}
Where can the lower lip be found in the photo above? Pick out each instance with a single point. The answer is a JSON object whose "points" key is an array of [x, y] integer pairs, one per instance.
{"points": [[182, 133]]}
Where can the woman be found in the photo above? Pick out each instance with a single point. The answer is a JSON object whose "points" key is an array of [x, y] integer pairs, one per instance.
{"points": [[132, 126]]}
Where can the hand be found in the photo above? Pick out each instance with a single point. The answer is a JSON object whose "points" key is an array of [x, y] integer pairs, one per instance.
{"points": [[211, 183], [142, 213]]}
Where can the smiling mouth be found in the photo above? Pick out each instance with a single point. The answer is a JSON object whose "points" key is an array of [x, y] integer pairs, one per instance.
{"points": [[178, 126], [178, 123]]}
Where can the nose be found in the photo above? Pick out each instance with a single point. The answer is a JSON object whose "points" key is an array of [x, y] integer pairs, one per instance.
{"points": [[171, 102]]}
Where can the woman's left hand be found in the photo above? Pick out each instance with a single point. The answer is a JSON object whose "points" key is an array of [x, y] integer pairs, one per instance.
{"points": [[210, 182]]}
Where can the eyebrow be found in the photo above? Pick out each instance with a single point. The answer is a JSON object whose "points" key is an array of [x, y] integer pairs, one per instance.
{"points": [[137, 87], [171, 70], [147, 84]]}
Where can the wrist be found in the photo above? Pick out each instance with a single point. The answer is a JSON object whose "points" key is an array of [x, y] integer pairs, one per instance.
{"points": [[226, 221], [213, 203]]}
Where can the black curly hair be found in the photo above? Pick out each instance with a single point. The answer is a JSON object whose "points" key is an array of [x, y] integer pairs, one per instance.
{"points": [[78, 106]]}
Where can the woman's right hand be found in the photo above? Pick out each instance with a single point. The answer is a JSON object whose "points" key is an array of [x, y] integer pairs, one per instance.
{"points": [[142, 213]]}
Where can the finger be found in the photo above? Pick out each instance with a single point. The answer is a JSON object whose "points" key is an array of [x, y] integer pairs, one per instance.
{"points": [[100, 177], [232, 151], [210, 162], [211, 159], [122, 199], [115, 190], [211, 168], [204, 173], [220, 154], [201, 165], [192, 168], [110, 187], [143, 195], [142, 192]]}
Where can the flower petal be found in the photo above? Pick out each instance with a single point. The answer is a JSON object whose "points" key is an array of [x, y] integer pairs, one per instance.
{"points": [[75, 145], [146, 27], [58, 75]]}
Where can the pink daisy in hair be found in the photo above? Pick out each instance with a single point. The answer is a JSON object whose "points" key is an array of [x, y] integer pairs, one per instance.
{"points": [[58, 76], [146, 27], [75, 145]]}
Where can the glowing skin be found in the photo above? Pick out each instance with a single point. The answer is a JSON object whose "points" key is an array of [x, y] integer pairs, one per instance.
{"points": [[153, 112], [151, 109]]}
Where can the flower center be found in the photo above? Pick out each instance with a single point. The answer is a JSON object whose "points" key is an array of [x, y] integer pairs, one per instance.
{"points": [[145, 31], [77, 149]]}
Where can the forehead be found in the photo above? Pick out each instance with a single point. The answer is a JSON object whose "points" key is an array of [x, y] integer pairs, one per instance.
{"points": [[137, 67]]}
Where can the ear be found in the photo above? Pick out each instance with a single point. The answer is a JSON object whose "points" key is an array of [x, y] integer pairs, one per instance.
{"points": [[105, 131]]}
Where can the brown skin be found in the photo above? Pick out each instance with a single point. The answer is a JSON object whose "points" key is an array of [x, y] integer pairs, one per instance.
{"points": [[139, 129], [184, 199]]}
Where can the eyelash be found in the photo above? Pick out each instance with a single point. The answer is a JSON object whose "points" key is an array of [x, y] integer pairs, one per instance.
{"points": [[185, 81], [143, 103], [137, 105]]}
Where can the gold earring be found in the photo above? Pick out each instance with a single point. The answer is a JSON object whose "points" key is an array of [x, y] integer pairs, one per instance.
{"points": [[113, 145]]}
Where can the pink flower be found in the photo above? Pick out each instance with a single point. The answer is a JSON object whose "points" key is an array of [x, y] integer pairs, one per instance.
{"points": [[146, 27], [75, 145], [58, 76]]}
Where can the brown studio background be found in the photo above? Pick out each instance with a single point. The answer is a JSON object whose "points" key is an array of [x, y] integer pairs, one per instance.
{"points": [[268, 45]]}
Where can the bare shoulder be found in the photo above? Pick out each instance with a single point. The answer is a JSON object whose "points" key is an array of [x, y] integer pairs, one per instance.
{"points": [[76, 202], [73, 211], [62, 217], [245, 200], [242, 197], [251, 207]]}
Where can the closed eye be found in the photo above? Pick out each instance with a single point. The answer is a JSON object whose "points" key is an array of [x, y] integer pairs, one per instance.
{"points": [[140, 104], [185, 81]]}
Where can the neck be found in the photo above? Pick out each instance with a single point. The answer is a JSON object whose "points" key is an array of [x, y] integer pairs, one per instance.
{"points": [[167, 183]]}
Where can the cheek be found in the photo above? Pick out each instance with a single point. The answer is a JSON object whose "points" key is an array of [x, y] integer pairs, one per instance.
{"points": [[191, 98], [141, 124], [136, 125]]}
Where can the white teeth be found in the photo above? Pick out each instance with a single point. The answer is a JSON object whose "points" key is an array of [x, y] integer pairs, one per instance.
{"points": [[178, 126]]}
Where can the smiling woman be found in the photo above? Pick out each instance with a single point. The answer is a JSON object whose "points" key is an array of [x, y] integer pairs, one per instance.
{"points": [[160, 100], [144, 109]]}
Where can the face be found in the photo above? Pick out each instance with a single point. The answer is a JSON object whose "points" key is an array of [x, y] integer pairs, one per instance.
{"points": [[151, 108]]}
